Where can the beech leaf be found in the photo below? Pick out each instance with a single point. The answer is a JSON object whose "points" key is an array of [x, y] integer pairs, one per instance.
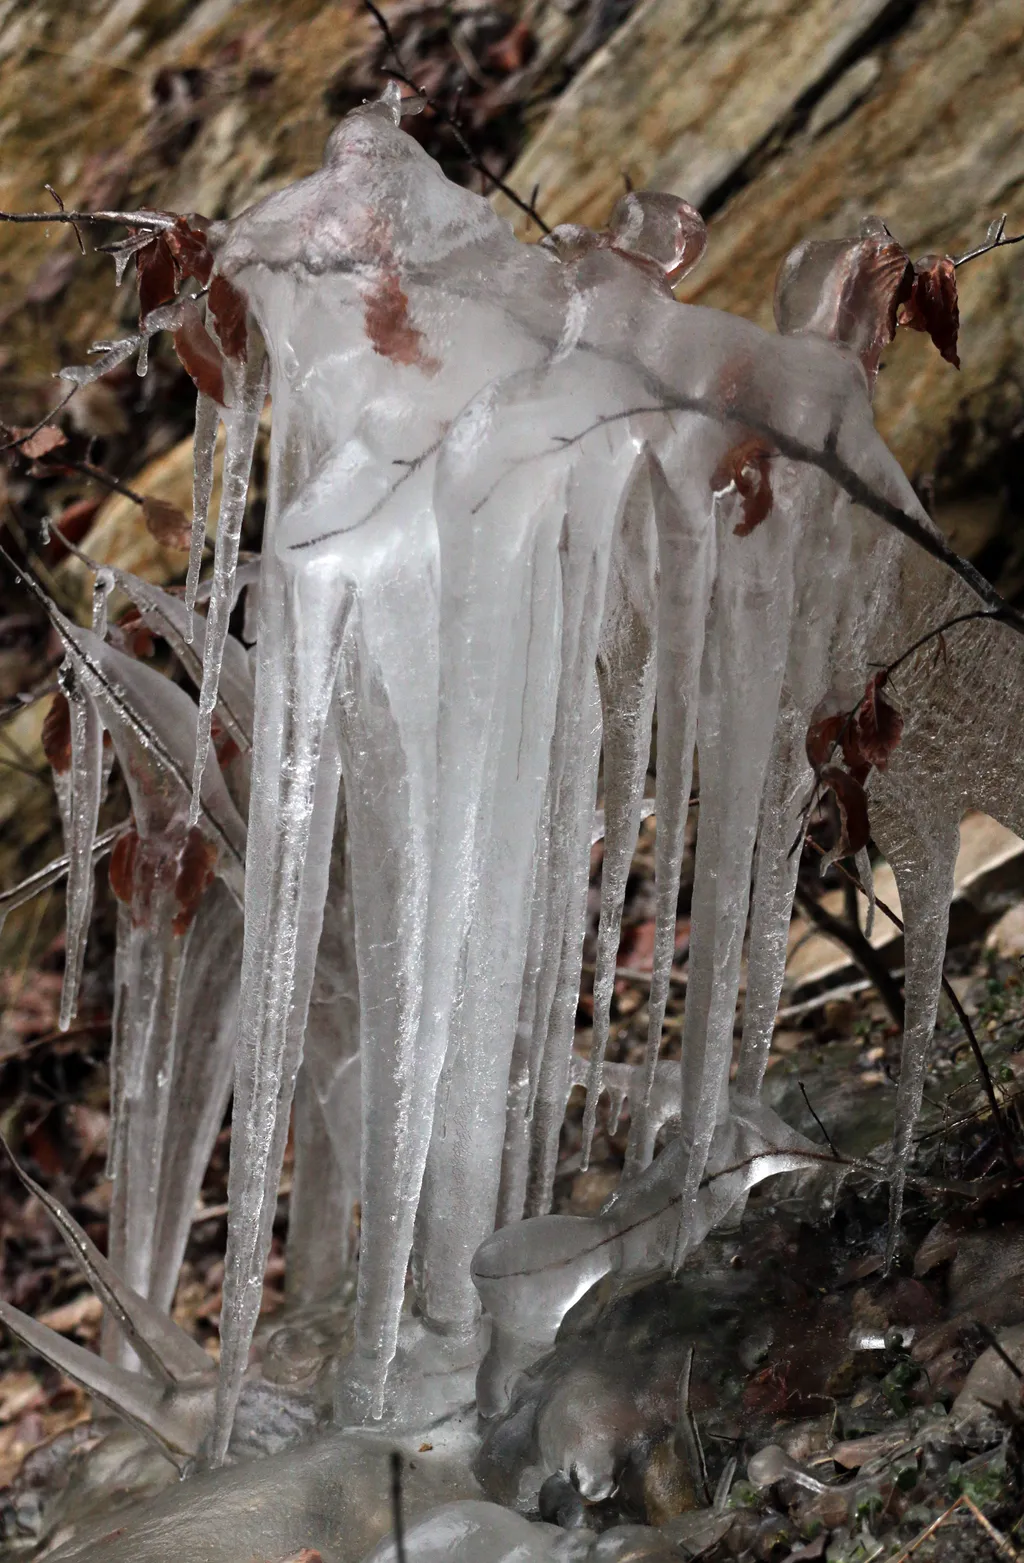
{"points": [[228, 309], [43, 441], [853, 810], [822, 737], [196, 871], [199, 355], [875, 729], [122, 864], [933, 305], [191, 252], [167, 523], [157, 275], [745, 468], [56, 736]]}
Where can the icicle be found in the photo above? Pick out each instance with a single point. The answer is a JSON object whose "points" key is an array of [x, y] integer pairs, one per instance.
{"points": [[571, 873], [500, 670], [167, 616], [204, 445], [103, 585], [251, 612], [785, 790], [83, 807], [327, 1128], [242, 421], [686, 548], [919, 834], [204, 1054], [527, 1046], [746, 645], [148, 974], [626, 668], [162, 872], [295, 784], [320, 1205], [862, 863]]}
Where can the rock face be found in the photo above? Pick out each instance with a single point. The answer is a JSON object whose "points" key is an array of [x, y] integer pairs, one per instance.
{"points": [[780, 120], [785, 120]]}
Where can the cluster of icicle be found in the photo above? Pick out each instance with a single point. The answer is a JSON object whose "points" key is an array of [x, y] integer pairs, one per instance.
{"points": [[520, 498]]}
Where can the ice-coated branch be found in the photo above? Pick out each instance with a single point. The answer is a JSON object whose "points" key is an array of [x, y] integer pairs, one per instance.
{"points": [[399, 73], [152, 222], [995, 239], [828, 460]]}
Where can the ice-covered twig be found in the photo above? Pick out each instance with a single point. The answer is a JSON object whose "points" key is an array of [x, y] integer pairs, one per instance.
{"points": [[995, 239], [828, 460], [528, 208], [26, 435], [154, 222], [167, 1351], [53, 873]]}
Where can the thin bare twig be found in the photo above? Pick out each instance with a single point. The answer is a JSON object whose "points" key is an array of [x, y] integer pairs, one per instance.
{"points": [[89, 470], [995, 239], [23, 439], [61, 207], [821, 1126], [402, 75]]}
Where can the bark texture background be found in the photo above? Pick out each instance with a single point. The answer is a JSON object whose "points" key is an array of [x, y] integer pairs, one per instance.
{"points": [[781, 119]]}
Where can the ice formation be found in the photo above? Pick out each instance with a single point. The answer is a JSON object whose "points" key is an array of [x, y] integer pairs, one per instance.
{"points": [[520, 498]]}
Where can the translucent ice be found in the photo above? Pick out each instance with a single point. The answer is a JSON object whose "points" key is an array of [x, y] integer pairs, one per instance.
{"points": [[520, 499]]}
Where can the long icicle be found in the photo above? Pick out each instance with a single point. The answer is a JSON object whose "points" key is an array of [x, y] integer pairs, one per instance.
{"points": [[687, 560], [83, 816], [204, 446], [626, 671], [243, 421]]}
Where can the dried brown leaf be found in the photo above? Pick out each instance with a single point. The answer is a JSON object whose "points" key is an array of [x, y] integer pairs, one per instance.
{"points": [[195, 873], [822, 737], [81, 1313], [190, 250], [875, 729], [167, 523], [745, 468], [43, 441], [157, 275], [387, 323], [933, 305], [228, 308], [200, 356], [122, 865], [57, 734], [853, 809]]}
